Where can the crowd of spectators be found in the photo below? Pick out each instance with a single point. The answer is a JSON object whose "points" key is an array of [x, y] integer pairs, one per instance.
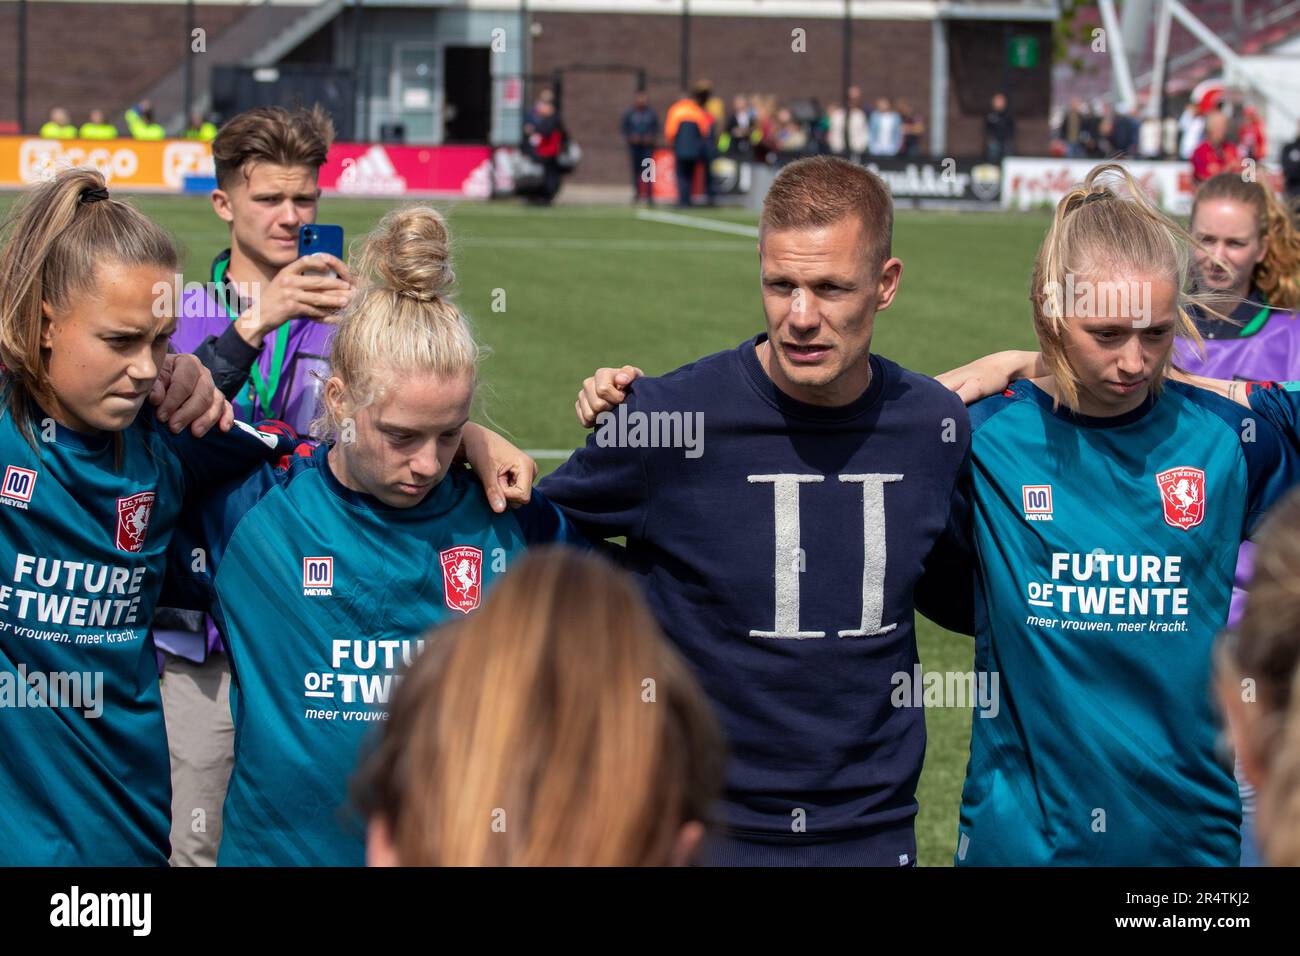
{"points": [[1100, 131], [760, 129], [140, 124]]}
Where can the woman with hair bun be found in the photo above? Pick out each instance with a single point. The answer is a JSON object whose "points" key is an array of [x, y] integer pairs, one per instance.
{"points": [[323, 573]]}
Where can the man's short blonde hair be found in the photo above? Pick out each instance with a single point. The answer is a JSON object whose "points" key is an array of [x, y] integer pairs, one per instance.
{"points": [[823, 190]]}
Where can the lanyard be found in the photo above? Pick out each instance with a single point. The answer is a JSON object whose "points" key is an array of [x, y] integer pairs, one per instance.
{"points": [[257, 385], [1255, 324]]}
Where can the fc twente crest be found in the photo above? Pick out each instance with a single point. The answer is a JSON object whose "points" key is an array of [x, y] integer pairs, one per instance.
{"points": [[462, 577], [133, 520], [1182, 493]]}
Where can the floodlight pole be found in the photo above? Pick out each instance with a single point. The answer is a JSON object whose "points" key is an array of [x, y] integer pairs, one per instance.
{"points": [[1118, 58], [938, 86], [686, 44], [846, 79], [360, 110], [1155, 102], [188, 95]]}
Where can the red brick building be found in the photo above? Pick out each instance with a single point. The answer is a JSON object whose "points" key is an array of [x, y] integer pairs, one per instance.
{"points": [[452, 70]]}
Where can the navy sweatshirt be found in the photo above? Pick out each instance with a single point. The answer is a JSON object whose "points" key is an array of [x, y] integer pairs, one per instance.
{"points": [[782, 554]]}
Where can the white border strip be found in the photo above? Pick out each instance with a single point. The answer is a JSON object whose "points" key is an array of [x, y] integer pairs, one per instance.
{"points": [[808, 9], [814, 9], [811, 9]]}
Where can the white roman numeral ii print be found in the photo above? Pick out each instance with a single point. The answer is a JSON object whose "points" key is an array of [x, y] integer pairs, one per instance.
{"points": [[785, 490]]}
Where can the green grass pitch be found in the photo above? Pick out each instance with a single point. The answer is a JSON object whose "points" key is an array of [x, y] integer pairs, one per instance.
{"points": [[577, 288]]}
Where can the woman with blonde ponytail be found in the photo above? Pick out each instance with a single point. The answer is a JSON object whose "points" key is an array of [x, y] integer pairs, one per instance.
{"points": [[322, 574], [91, 490], [1247, 274], [1109, 502]]}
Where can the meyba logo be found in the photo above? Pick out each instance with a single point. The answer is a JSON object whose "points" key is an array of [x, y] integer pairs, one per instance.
{"points": [[16, 490], [1037, 501], [318, 576], [74, 908]]}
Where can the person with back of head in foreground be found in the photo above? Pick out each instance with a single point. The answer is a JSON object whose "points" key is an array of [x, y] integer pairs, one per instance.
{"points": [[555, 727], [1259, 684]]}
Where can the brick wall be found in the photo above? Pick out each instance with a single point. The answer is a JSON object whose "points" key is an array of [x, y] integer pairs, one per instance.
{"points": [[83, 55], [889, 58], [86, 55]]}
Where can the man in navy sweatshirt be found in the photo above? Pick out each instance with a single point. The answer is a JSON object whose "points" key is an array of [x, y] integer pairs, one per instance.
{"points": [[782, 502]]}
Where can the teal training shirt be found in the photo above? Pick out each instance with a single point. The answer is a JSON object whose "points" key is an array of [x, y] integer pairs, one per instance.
{"points": [[1106, 549], [323, 595], [84, 771], [1279, 403]]}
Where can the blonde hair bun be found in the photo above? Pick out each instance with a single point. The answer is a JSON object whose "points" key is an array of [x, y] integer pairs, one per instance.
{"points": [[409, 252]]}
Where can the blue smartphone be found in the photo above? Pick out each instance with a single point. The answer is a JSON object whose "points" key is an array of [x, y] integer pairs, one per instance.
{"points": [[313, 238]]}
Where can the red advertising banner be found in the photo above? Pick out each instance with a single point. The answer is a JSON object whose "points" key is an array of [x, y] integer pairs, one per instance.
{"points": [[360, 169], [352, 169]]}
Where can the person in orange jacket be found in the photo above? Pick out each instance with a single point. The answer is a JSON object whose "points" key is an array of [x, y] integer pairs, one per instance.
{"points": [[689, 130]]}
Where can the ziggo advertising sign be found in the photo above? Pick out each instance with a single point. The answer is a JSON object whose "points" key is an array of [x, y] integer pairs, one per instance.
{"points": [[161, 166], [127, 163]]}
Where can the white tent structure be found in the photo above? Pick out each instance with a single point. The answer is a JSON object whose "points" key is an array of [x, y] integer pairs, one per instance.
{"points": [[1272, 79]]}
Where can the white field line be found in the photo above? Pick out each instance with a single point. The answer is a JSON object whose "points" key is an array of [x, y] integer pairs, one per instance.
{"points": [[549, 454], [604, 245], [698, 222]]}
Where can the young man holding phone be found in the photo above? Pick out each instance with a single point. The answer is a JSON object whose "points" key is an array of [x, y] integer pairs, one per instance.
{"points": [[262, 323]]}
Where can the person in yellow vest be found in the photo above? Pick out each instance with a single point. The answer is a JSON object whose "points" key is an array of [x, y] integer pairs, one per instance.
{"points": [[200, 128], [96, 128], [140, 122], [58, 126]]}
